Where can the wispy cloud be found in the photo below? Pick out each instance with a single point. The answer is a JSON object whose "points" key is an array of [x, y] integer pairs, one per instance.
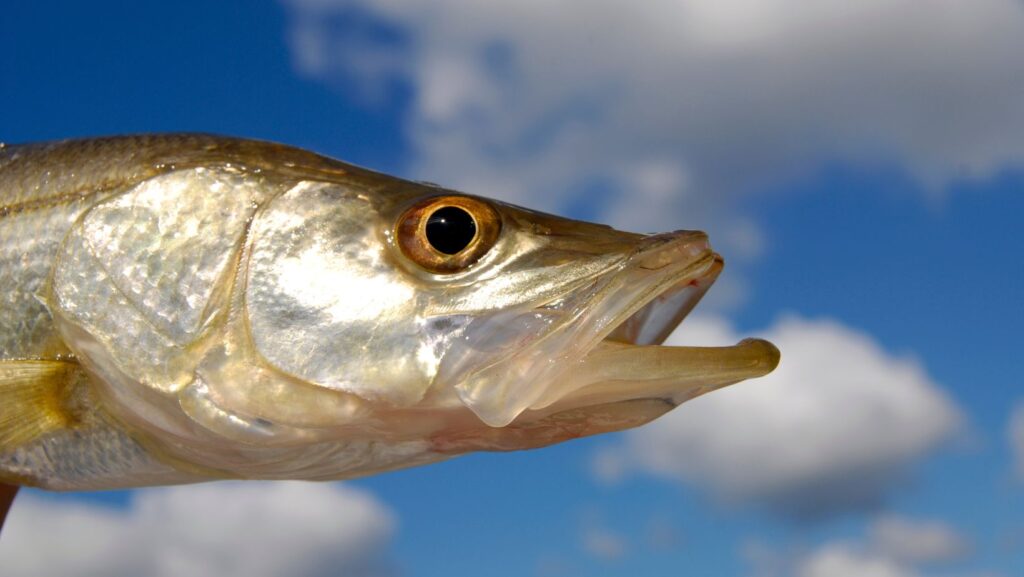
{"points": [[1015, 434], [917, 541], [599, 540], [603, 543], [218, 530], [835, 428]]}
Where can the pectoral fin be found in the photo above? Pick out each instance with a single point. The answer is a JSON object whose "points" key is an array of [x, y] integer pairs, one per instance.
{"points": [[34, 399]]}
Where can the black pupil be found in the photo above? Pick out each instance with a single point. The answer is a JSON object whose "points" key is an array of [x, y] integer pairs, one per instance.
{"points": [[450, 229]]}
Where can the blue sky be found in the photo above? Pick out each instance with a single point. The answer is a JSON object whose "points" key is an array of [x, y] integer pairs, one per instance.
{"points": [[859, 168]]}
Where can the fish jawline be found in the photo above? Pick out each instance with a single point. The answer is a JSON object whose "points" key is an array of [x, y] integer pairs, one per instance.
{"points": [[630, 363]]}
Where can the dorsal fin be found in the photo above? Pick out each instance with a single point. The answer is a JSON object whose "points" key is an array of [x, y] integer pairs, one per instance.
{"points": [[34, 399]]}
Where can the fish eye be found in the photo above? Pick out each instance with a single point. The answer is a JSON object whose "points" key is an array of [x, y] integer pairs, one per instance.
{"points": [[447, 234], [450, 229]]}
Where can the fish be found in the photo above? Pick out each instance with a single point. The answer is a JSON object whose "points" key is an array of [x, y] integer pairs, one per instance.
{"points": [[182, 308]]}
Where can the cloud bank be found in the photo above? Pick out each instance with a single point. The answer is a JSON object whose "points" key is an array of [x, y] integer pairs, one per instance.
{"points": [[668, 113], [243, 529], [836, 427]]}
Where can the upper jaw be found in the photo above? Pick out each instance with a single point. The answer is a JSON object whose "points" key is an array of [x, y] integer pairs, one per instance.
{"points": [[682, 267]]}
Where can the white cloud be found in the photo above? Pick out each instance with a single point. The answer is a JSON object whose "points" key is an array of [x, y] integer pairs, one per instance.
{"points": [[680, 107], [835, 427], [918, 542], [1015, 431], [217, 530]]}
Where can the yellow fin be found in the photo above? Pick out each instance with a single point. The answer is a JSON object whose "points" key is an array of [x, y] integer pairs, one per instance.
{"points": [[33, 399]]}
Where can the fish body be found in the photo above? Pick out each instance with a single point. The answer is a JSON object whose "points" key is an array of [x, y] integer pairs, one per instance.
{"points": [[181, 308]]}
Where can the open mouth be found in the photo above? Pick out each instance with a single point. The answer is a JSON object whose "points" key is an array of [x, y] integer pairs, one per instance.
{"points": [[600, 343], [655, 294]]}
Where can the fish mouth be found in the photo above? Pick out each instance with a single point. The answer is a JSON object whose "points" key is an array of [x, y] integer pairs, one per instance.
{"points": [[673, 272], [600, 343]]}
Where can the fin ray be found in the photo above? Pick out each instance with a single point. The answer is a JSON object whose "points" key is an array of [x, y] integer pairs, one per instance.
{"points": [[33, 399]]}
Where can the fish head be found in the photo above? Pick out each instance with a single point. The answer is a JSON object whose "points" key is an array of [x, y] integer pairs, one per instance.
{"points": [[481, 319], [256, 311]]}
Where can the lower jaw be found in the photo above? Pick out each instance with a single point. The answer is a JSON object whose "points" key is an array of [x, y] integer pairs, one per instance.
{"points": [[623, 401], [616, 372]]}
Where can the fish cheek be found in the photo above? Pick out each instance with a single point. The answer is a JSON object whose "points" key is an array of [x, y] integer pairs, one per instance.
{"points": [[326, 304]]}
